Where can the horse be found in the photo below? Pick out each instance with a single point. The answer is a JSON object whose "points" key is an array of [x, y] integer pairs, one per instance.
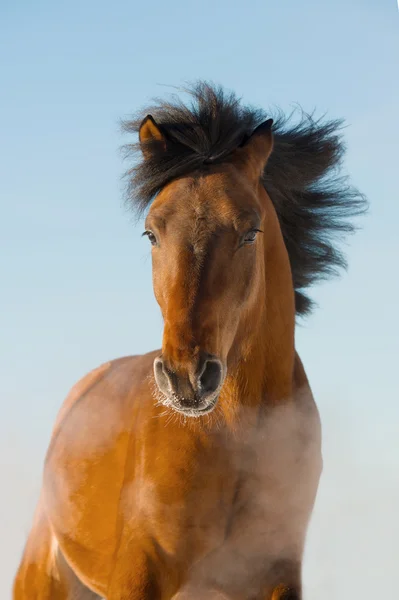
{"points": [[191, 472]]}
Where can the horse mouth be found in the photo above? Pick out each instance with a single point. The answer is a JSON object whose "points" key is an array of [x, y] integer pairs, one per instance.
{"points": [[195, 411]]}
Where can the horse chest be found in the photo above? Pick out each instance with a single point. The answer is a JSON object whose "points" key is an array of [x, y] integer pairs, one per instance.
{"points": [[259, 492], [191, 504], [185, 504]]}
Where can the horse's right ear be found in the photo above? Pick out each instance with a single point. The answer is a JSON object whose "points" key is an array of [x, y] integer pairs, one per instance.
{"points": [[151, 137]]}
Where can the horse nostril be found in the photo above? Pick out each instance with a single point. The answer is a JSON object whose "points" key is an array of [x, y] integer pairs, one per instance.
{"points": [[185, 389], [210, 377], [161, 376]]}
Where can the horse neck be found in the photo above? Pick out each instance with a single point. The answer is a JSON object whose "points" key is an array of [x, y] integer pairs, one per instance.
{"points": [[264, 349]]}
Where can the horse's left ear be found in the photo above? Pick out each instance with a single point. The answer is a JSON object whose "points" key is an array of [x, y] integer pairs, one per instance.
{"points": [[151, 137], [256, 149]]}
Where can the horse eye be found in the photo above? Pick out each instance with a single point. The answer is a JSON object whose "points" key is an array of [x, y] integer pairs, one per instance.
{"points": [[151, 237], [250, 237]]}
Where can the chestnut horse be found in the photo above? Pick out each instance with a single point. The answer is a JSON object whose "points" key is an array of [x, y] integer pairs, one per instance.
{"points": [[191, 472]]}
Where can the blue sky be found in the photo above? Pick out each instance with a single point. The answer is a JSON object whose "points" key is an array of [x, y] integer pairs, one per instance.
{"points": [[76, 276]]}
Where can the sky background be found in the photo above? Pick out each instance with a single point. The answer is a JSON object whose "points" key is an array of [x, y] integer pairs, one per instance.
{"points": [[75, 276]]}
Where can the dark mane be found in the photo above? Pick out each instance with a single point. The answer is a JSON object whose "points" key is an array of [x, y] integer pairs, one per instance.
{"points": [[313, 201]]}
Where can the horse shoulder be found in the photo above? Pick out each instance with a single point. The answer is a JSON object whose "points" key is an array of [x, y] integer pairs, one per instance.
{"points": [[85, 464], [310, 416]]}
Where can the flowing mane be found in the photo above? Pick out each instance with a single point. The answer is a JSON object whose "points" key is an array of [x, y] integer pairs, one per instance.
{"points": [[313, 201]]}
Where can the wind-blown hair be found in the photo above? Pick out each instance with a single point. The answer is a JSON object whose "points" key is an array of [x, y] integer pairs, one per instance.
{"points": [[314, 203]]}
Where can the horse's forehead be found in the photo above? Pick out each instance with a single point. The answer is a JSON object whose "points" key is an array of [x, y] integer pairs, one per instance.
{"points": [[209, 197]]}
